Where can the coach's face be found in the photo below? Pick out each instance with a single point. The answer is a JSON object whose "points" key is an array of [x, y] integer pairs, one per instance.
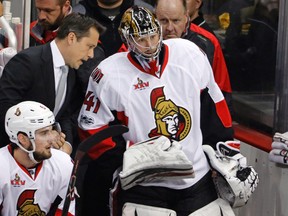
{"points": [[80, 50]]}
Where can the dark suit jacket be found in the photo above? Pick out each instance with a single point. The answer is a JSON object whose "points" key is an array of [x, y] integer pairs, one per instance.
{"points": [[29, 75]]}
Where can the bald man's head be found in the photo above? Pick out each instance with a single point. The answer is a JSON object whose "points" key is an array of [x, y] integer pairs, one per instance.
{"points": [[173, 17]]}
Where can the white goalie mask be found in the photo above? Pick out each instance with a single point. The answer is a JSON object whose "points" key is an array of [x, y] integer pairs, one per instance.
{"points": [[137, 23], [27, 117]]}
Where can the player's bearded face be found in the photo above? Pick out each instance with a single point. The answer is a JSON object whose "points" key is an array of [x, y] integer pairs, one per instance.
{"points": [[40, 156], [43, 141]]}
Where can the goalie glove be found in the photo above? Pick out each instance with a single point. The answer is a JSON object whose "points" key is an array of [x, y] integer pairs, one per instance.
{"points": [[153, 160], [235, 181], [279, 152]]}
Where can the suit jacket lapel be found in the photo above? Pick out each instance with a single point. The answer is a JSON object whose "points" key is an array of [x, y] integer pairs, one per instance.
{"points": [[48, 74]]}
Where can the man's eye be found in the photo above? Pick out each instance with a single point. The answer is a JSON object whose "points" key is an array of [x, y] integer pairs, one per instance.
{"points": [[140, 40], [163, 22]]}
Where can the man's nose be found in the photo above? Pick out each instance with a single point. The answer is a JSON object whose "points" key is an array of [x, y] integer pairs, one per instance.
{"points": [[91, 53], [148, 43], [42, 15], [170, 26]]}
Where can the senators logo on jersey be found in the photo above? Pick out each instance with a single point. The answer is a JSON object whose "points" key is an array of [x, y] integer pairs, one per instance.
{"points": [[171, 120], [26, 205]]}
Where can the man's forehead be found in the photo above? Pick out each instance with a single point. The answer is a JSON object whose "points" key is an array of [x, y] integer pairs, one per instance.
{"points": [[174, 7], [145, 35], [46, 4], [44, 129]]}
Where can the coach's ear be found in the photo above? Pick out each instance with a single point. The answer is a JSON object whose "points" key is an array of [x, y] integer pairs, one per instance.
{"points": [[71, 38]]}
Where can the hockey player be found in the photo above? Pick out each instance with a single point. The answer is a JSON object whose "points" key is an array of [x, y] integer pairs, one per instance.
{"points": [[34, 176], [155, 89]]}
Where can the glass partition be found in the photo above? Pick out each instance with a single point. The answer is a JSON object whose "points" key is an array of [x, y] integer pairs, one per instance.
{"points": [[248, 31]]}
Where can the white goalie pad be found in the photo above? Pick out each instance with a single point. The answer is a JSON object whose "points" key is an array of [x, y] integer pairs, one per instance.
{"points": [[219, 207], [235, 181], [154, 159], [132, 209]]}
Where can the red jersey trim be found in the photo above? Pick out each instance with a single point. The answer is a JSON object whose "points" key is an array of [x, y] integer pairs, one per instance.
{"points": [[163, 64], [59, 213], [123, 118], [38, 166], [223, 113]]}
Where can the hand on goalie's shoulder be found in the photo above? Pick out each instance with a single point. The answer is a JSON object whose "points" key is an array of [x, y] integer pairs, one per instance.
{"points": [[279, 151]]}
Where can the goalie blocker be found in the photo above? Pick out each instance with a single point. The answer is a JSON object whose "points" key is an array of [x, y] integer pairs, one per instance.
{"points": [[154, 159], [235, 181]]}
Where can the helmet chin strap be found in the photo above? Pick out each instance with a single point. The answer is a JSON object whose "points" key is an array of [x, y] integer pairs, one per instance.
{"points": [[30, 152], [31, 156]]}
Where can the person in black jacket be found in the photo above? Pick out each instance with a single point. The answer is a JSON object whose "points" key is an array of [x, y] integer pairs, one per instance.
{"points": [[109, 14], [34, 73], [43, 30], [196, 16]]}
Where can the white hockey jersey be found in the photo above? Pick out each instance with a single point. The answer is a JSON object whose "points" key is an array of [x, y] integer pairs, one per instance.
{"points": [[24, 194], [165, 103]]}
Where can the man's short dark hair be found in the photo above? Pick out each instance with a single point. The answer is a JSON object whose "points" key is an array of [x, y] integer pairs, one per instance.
{"points": [[79, 24]]}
